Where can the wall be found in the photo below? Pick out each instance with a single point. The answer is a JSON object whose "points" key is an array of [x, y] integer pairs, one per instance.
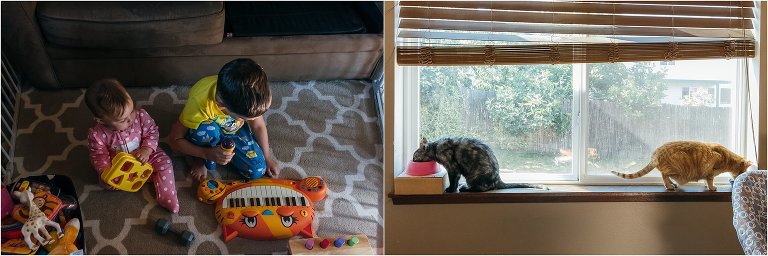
{"points": [[762, 113], [561, 228]]}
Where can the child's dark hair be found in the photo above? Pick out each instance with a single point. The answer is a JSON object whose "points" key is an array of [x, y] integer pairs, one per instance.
{"points": [[107, 97], [243, 88]]}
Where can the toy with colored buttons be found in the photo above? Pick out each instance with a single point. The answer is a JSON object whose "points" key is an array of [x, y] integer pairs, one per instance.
{"points": [[354, 244], [313, 185], [210, 190]]}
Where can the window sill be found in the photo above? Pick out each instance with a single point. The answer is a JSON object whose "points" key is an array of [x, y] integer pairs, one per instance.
{"points": [[574, 193]]}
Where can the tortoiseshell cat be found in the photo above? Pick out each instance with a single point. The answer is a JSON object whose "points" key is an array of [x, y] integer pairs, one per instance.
{"points": [[686, 161], [468, 157]]}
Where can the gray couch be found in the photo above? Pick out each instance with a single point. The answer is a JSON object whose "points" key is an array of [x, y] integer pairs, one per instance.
{"points": [[71, 44]]}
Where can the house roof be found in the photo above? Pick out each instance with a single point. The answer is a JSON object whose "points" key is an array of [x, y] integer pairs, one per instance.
{"points": [[706, 81]]}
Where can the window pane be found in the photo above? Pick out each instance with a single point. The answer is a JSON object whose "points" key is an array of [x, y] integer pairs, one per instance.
{"points": [[636, 107], [725, 96], [522, 112]]}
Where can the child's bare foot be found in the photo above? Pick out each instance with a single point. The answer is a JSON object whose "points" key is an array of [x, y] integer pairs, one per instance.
{"points": [[199, 172], [197, 168]]}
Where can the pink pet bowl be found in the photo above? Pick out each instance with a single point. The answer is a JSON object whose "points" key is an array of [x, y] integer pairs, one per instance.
{"points": [[422, 168]]}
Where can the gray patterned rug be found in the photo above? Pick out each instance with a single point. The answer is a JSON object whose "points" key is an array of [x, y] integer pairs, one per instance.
{"points": [[316, 128]]}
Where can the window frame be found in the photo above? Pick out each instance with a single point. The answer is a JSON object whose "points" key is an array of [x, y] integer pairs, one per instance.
{"points": [[407, 131]]}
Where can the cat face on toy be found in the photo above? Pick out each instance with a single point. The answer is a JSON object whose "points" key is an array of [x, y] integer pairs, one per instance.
{"points": [[266, 223], [421, 154]]}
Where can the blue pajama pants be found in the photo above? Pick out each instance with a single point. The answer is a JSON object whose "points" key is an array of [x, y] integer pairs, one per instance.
{"points": [[248, 159]]}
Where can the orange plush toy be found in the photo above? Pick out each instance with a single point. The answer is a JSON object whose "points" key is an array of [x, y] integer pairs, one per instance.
{"points": [[66, 244]]}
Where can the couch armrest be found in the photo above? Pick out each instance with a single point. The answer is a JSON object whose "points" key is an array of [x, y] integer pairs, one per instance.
{"points": [[24, 44]]}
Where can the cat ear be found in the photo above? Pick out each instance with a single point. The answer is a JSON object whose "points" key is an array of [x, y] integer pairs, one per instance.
{"points": [[423, 142]]}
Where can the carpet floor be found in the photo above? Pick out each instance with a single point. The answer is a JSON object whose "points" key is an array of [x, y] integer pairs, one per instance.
{"points": [[316, 128]]}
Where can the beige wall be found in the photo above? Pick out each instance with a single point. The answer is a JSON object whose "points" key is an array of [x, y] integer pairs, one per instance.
{"points": [[561, 228], [557, 228]]}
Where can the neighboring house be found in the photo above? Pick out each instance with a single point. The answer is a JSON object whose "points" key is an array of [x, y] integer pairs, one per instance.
{"points": [[711, 93]]}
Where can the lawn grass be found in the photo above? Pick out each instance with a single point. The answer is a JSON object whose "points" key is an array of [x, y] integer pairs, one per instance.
{"points": [[534, 162], [529, 162]]}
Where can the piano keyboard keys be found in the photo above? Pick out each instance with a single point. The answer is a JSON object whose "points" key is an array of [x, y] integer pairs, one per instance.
{"points": [[272, 196]]}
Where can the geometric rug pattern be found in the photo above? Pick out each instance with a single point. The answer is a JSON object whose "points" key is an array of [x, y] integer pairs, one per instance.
{"points": [[316, 128]]}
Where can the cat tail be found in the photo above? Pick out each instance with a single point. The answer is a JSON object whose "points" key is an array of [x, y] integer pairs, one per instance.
{"points": [[503, 185], [648, 168]]}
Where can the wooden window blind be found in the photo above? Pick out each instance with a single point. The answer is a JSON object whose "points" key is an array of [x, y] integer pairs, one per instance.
{"points": [[540, 32]]}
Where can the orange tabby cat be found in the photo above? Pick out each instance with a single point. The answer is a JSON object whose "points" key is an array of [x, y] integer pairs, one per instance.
{"points": [[686, 161]]}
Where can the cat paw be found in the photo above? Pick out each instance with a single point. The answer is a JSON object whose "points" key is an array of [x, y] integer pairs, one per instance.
{"points": [[713, 188], [671, 188], [449, 190]]}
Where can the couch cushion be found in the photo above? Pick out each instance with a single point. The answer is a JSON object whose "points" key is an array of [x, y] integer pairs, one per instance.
{"points": [[284, 58], [125, 25], [246, 19]]}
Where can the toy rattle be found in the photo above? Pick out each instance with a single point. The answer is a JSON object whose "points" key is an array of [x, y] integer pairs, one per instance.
{"points": [[228, 145], [126, 173]]}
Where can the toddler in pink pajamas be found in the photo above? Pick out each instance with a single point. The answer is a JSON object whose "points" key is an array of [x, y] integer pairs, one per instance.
{"points": [[120, 128]]}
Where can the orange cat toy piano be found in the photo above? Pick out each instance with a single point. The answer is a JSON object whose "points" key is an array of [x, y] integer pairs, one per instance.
{"points": [[264, 209]]}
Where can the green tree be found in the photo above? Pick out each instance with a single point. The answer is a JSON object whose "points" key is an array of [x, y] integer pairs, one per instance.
{"points": [[441, 97], [636, 88], [528, 98], [531, 97]]}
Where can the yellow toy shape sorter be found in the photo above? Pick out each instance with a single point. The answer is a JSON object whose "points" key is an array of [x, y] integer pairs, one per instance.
{"points": [[126, 173]]}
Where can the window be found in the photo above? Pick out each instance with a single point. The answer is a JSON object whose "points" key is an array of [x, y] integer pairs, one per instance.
{"points": [[569, 97], [725, 96], [525, 113], [686, 91], [628, 118]]}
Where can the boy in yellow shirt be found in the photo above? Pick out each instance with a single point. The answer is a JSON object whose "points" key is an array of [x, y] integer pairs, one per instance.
{"points": [[229, 105]]}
